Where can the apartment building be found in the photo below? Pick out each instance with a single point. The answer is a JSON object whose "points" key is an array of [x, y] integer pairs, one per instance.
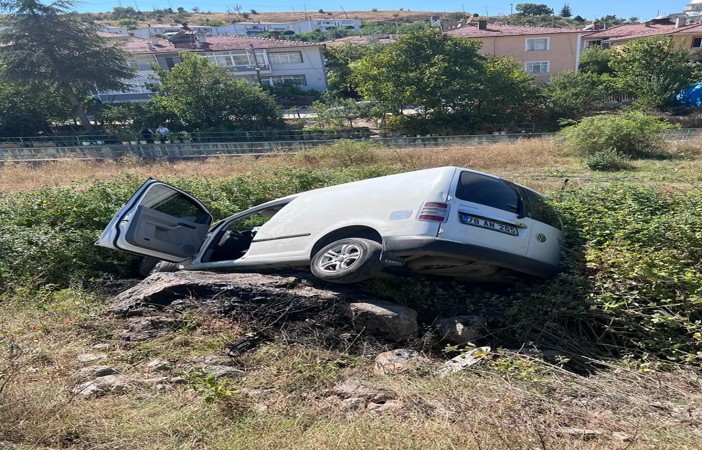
{"points": [[243, 28], [542, 52], [258, 60]]}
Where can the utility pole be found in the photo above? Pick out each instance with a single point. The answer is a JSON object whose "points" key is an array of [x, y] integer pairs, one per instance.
{"points": [[511, 5]]}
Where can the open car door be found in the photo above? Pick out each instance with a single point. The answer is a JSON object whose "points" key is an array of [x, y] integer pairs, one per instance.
{"points": [[159, 221]]}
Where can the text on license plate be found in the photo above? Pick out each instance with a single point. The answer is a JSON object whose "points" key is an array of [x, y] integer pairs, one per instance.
{"points": [[489, 224]]}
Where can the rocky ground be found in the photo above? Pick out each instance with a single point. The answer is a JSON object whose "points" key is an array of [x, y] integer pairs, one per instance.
{"points": [[258, 361]]}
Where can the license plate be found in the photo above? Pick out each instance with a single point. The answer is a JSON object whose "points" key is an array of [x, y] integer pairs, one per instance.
{"points": [[489, 224]]}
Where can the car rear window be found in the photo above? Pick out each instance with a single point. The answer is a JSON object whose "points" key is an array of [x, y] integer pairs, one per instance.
{"points": [[488, 191], [539, 208]]}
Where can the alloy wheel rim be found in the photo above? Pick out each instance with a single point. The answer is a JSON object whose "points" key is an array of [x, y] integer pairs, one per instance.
{"points": [[340, 257]]}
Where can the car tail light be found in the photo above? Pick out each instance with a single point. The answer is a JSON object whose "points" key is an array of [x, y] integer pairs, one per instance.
{"points": [[433, 212]]}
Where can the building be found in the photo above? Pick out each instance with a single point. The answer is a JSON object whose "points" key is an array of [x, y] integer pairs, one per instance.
{"points": [[542, 52], [621, 34], [689, 37], [243, 28], [259, 60]]}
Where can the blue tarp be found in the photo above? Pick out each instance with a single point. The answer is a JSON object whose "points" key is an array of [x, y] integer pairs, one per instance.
{"points": [[691, 95]]}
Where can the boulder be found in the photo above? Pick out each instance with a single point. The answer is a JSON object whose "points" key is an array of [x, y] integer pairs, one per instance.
{"points": [[217, 291], [384, 319]]}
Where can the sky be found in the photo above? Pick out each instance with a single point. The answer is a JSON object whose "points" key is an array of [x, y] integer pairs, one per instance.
{"points": [[589, 9]]}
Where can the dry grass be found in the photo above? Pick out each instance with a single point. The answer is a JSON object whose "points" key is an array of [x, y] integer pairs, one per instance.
{"points": [[542, 164], [285, 400]]}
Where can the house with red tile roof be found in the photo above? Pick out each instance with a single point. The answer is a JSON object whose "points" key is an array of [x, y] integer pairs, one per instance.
{"points": [[621, 34], [540, 51], [259, 60]]}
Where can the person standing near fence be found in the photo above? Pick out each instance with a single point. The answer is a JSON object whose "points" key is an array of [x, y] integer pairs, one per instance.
{"points": [[163, 133]]}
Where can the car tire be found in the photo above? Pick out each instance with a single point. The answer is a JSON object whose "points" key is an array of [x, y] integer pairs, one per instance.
{"points": [[347, 260], [166, 266]]}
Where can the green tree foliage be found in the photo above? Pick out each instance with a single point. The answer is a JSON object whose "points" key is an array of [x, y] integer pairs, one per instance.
{"points": [[655, 69], [428, 69], [204, 96], [339, 112], [572, 94], [25, 111], [48, 45], [533, 9], [454, 88], [565, 11], [508, 94], [630, 134], [338, 62], [596, 60]]}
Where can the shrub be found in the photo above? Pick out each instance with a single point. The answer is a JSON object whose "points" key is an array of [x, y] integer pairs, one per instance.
{"points": [[605, 160], [344, 153], [632, 134]]}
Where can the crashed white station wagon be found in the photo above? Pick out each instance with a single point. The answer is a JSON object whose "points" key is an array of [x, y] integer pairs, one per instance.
{"points": [[446, 221]]}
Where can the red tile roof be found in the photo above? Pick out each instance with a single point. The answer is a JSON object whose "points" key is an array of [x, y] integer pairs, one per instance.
{"points": [[635, 31], [506, 30], [692, 29], [361, 40], [213, 44]]}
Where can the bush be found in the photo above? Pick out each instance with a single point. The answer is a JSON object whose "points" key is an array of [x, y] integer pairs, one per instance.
{"points": [[631, 134], [605, 160]]}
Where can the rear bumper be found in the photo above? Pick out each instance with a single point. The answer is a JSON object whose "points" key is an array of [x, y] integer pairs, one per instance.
{"points": [[402, 247]]}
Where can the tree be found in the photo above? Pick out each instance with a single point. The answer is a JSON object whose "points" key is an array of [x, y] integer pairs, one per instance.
{"points": [[565, 11], [533, 9], [571, 94], [596, 60], [204, 96], [428, 69], [27, 112], [654, 69], [50, 47], [508, 94], [338, 62]]}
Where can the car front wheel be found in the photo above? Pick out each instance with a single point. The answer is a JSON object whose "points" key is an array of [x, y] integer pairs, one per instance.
{"points": [[347, 260]]}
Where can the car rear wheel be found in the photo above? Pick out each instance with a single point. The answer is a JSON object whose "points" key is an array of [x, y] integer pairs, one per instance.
{"points": [[347, 260]]}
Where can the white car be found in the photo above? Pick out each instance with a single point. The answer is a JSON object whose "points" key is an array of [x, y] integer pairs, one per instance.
{"points": [[444, 221]]}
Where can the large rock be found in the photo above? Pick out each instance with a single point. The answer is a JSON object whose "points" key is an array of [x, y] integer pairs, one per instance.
{"points": [[384, 319], [219, 292]]}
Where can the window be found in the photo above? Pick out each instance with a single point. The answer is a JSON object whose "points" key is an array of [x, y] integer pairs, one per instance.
{"points": [[697, 43], [537, 44], [285, 58], [298, 80], [142, 63], [597, 43], [238, 59], [539, 208], [489, 191], [167, 201], [536, 67]]}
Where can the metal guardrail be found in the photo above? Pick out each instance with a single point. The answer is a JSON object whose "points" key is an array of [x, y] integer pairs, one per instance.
{"points": [[187, 150]]}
